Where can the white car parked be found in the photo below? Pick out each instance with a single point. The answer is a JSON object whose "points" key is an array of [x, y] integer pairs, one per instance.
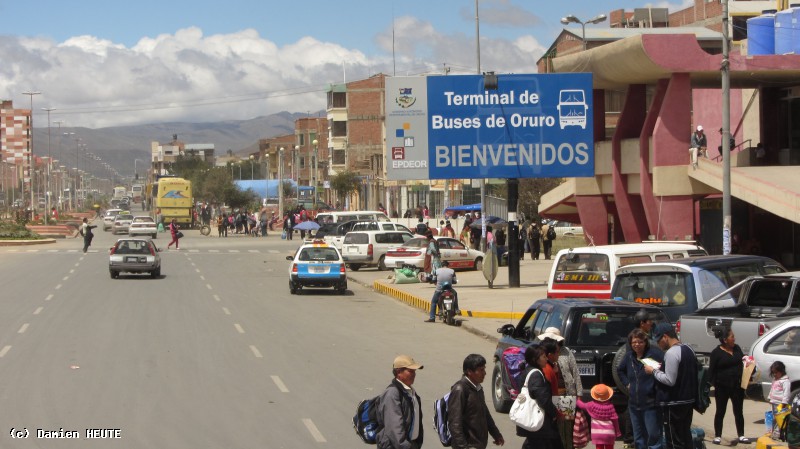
{"points": [[780, 343]]}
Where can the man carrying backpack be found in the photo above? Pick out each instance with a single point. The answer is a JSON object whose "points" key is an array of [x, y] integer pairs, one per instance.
{"points": [[468, 417], [676, 386], [400, 411]]}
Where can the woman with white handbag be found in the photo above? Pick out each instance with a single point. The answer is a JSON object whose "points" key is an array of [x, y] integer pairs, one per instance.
{"points": [[539, 389]]}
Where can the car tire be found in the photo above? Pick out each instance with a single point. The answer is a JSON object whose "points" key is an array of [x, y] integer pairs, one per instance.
{"points": [[114, 274], [292, 291], [500, 398], [355, 266], [615, 364], [479, 264], [382, 263], [155, 274], [154, 236], [342, 288]]}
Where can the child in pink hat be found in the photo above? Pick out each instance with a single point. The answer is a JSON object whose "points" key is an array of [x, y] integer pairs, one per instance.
{"points": [[605, 422]]}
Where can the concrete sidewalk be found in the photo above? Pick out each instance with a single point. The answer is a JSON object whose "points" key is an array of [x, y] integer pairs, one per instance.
{"points": [[485, 309]]}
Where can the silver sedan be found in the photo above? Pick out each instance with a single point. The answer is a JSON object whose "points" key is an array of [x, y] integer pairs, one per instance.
{"points": [[134, 255]]}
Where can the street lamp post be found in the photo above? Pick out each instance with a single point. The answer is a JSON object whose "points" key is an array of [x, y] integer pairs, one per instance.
{"points": [[49, 162], [280, 182], [572, 19], [31, 164], [314, 175], [252, 176], [296, 173]]}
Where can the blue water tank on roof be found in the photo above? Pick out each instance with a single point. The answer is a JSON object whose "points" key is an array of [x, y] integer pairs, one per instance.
{"points": [[787, 30], [761, 34]]}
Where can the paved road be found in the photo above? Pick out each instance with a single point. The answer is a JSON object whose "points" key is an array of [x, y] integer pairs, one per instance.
{"points": [[216, 353]]}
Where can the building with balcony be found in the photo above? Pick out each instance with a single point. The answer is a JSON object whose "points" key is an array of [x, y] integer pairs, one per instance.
{"points": [[650, 91]]}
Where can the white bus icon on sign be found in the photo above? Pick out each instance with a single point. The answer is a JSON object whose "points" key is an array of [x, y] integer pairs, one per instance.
{"points": [[572, 108]]}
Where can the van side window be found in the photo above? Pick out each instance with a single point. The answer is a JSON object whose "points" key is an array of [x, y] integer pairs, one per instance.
{"points": [[660, 257], [738, 274], [638, 258], [712, 284]]}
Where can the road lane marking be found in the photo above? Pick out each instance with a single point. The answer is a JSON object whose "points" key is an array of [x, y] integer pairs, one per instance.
{"points": [[23, 328], [72, 250], [208, 286], [216, 297], [65, 278], [213, 250], [38, 310], [49, 297], [274, 251], [58, 286], [32, 251], [252, 251], [256, 352], [4, 351], [238, 328], [194, 250], [314, 431], [202, 278], [193, 264], [233, 250], [52, 250], [71, 271], [279, 383], [227, 312]]}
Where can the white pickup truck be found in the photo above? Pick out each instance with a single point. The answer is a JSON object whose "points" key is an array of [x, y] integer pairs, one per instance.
{"points": [[753, 306]]}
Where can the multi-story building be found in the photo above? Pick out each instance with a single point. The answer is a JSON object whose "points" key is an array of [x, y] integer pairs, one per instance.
{"points": [[651, 90], [14, 148]]}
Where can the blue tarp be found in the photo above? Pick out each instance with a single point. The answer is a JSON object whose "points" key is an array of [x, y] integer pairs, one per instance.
{"points": [[465, 208], [262, 187]]}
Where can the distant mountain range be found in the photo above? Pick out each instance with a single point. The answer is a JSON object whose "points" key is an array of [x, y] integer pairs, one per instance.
{"points": [[120, 146]]}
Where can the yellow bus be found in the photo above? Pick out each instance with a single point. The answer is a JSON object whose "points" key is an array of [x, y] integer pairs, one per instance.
{"points": [[173, 198]]}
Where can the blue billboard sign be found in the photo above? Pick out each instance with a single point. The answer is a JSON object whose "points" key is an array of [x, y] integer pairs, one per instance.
{"points": [[451, 127]]}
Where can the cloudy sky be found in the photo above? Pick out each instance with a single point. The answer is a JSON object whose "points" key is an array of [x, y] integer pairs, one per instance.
{"points": [[108, 63]]}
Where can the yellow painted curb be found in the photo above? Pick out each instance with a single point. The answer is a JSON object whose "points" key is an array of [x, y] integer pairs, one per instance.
{"points": [[425, 304]]}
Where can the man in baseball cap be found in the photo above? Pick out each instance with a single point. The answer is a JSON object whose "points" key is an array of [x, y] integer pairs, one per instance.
{"points": [[400, 411]]}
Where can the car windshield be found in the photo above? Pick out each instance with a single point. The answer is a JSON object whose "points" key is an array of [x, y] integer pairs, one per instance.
{"points": [[132, 247], [661, 289], [143, 220], [318, 254], [416, 243], [604, 329], [124, 217], [582, 268]]}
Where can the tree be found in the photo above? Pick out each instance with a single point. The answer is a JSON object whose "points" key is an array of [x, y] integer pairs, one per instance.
{"points": [[530, 193], [345, 183]]}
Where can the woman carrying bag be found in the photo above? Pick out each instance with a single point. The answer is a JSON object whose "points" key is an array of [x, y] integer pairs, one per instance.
{"points": [[539, 389]]}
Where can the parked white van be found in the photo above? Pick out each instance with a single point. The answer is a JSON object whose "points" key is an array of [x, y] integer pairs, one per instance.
{"points": [[589, 272], [368, 248], [343, 216]]}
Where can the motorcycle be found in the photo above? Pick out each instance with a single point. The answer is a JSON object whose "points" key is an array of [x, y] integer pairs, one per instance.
{"points": [[448, 305]]}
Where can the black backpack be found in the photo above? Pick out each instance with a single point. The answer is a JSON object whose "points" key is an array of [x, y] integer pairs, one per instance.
{"points": [[551, 233], [535, 233]]}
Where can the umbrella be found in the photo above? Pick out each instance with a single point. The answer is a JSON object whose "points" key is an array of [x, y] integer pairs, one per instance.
{"points": [[307, 226], [494, 222]]}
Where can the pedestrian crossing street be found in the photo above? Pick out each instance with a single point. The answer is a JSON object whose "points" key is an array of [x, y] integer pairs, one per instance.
{"points": [[165, 251]]}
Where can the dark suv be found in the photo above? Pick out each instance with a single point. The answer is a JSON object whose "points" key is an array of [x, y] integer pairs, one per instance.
{"points": [[593, 329]]}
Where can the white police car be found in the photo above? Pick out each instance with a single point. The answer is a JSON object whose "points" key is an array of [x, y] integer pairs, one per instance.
{"points": [[317, 264]]}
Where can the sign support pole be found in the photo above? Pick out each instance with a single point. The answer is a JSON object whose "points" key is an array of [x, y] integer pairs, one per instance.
{"points": [[513, 233]]}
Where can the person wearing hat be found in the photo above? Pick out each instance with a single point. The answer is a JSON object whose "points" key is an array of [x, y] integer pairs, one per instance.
{"points": [[400, 410], [562, 372], [468, 416], [605, 423], [645, 415], [676, 386], [698, 145]]}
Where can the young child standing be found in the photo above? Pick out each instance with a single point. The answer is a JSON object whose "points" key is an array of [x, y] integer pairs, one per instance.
{"points": [[605, 422], [781, 386]]}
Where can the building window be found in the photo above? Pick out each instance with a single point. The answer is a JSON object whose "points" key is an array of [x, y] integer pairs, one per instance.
{"points": [[338, 157], [301, 139], [337, 100], [339, 129]]}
